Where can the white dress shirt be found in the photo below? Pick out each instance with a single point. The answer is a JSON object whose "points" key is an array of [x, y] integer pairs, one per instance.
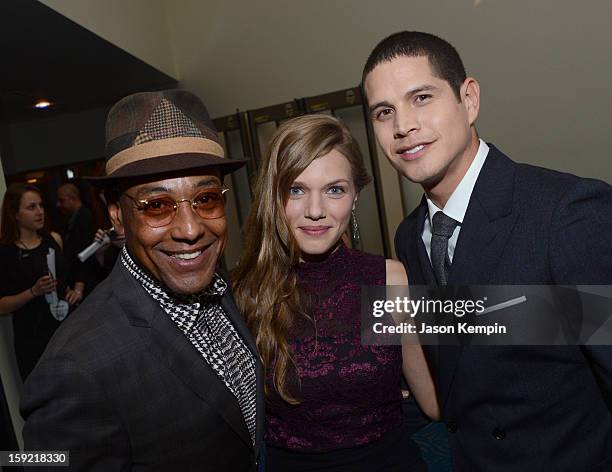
{"points": [[457, 203]]}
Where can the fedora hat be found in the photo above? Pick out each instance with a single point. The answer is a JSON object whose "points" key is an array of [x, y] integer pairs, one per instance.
{"points": [[153, 133]]}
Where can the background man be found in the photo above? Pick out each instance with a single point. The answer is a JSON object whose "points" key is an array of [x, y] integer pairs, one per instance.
{"points": [[156, 370], [77, 235], [485, 219]]}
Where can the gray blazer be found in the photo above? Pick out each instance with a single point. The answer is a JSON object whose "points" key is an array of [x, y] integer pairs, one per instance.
{"points": [[121, 388]]}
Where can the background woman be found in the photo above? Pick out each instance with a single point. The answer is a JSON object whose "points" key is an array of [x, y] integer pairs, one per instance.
{"points": [[25, 278], [333, 404]]}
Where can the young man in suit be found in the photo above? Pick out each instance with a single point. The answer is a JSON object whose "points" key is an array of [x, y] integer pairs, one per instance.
{"points": [[156, 370], [486, 220]]}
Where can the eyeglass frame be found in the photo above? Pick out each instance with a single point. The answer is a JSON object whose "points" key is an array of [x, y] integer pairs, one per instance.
{"points": [[143, 202]]}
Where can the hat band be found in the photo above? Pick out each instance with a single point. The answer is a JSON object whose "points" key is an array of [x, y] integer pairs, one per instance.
{"points": [[163, 147]]}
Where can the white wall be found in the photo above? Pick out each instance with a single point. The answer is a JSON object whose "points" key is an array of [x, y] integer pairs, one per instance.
{"points": [[544, 65], [137, 26]]}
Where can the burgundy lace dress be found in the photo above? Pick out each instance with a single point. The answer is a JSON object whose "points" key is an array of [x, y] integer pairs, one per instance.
{"points": [[349, 417]]}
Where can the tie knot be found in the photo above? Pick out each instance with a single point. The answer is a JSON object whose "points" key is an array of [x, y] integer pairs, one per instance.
{"points": [[443, 225]]}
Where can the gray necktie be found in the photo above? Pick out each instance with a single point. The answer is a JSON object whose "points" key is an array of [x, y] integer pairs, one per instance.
{"points": [[441, 231]]}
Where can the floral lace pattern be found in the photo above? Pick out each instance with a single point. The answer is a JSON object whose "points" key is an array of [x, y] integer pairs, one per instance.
{"points": [[350, 394]]}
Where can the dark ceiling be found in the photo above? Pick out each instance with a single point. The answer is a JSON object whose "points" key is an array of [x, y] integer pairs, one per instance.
{"points": [[44, 55]]}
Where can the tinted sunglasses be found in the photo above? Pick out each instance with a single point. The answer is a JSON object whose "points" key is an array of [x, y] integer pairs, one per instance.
{"points": [[160, 211]]}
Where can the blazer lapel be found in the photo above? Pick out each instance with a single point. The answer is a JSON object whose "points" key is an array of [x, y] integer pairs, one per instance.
{"points": [[488, 223], [435, 354], [418, 265], [485, 231], [170, 346], [420, 271]]}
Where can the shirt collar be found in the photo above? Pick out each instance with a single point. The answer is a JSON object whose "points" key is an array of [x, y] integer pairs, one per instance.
{"points": [[458, 202]]}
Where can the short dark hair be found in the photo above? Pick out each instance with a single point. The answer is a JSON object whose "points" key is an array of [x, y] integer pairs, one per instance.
{"points": [[443, 57]]}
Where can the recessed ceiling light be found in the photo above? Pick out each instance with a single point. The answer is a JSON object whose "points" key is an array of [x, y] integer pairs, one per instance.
{"points": [[42, 104]]}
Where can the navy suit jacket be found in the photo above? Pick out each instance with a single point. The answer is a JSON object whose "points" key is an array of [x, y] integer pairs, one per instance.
{"points": [[123, 389], [524, 408]]}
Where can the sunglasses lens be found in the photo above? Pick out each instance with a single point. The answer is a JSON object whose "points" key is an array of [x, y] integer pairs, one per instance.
{"points": [[158, 212], [210, 204]]}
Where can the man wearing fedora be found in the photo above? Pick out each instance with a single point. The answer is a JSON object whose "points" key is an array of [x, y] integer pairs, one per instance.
{"points": [[156, 370]]}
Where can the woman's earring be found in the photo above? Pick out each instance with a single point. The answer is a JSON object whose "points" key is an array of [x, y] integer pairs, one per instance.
{"points": [[354, 227]]}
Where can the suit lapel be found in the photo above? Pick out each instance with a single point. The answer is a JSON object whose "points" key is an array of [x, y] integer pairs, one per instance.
{"points": [[488, 223], [418, 265], [170, 346], [485, 231]]}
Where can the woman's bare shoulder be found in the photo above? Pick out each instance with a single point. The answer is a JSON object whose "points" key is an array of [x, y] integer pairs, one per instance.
{"points": [[396, 274]]}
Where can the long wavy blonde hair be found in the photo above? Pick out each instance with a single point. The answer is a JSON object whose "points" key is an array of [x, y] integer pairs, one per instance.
{"points": [[265, 280]]}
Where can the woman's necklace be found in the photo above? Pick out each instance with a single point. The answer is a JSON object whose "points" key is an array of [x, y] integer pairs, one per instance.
{"points": [[23, 245]]}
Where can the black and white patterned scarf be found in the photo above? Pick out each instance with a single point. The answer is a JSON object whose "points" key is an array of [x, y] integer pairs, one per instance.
{"points": [[202, 320]]}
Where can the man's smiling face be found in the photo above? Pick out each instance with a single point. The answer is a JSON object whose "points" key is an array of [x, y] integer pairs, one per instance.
{"points": [[424, 129], [182, 254]]}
